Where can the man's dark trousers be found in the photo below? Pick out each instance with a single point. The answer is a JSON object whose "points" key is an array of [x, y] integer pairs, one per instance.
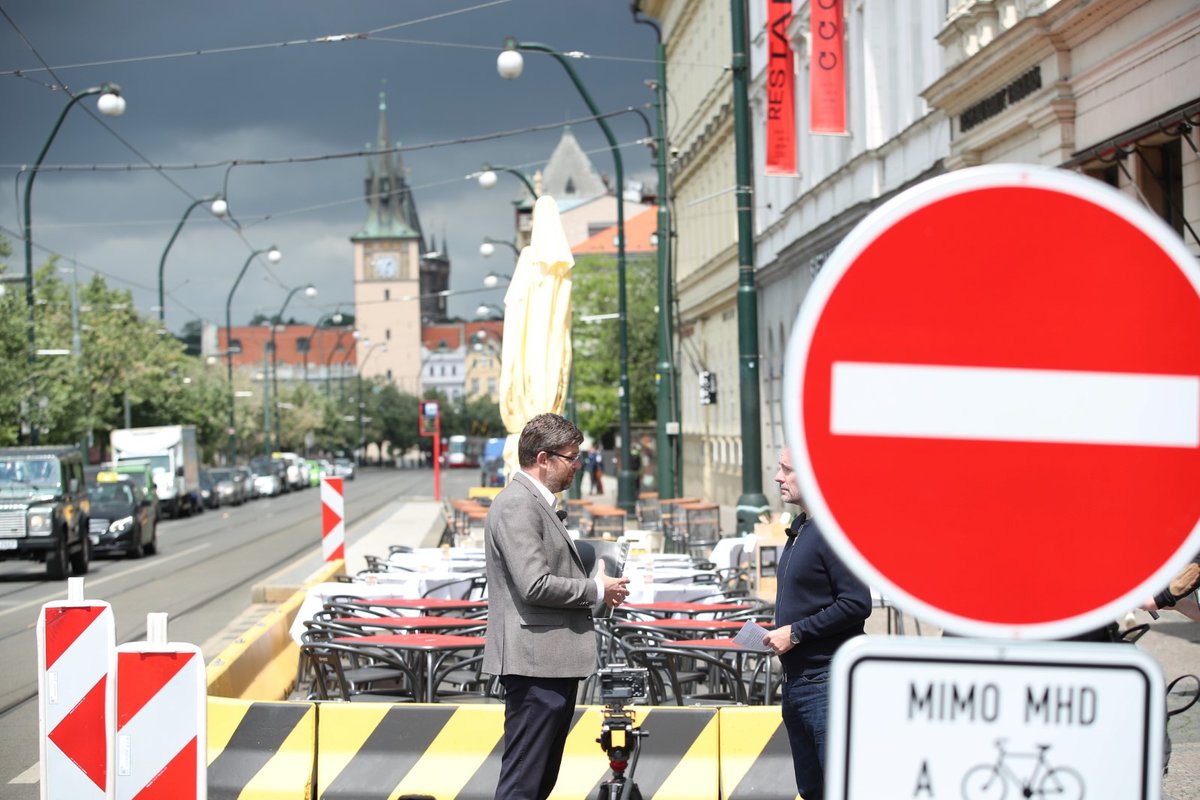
{"points": [[537, 719], [805, 707]]}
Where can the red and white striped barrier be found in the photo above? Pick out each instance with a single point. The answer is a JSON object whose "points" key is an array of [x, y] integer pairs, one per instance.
{"points": [[75, 638], [161, 718], [333, 519]]}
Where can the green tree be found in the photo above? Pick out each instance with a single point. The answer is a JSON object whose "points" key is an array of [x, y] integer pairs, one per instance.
{"points": [[596, 346], [13, 350]]}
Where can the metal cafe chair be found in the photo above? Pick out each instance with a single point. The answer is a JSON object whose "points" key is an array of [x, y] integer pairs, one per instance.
{"points": [[334, 680], [689, 677]]}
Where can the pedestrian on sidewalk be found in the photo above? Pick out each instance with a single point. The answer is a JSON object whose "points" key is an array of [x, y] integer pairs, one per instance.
{"points": [[819, 604], [540, 637], [596, 468]]}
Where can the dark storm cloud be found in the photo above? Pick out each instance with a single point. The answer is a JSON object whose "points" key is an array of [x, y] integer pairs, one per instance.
{"points": [[288, 102]]}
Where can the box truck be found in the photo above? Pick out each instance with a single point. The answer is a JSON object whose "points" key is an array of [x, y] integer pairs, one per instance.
{"points": [[170, 452]]}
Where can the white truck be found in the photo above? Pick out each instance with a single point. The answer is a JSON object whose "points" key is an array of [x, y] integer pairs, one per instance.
{"points": [[174, 460]]}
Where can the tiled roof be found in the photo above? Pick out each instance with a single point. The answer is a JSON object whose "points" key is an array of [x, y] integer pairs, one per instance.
{"points": [[638, 230]]}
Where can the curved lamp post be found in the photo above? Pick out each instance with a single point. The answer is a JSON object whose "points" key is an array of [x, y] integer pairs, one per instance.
{"points": [[273, 255], [488, 178], [329, 360], [219, 209], [110, 104], [510, 64], [362, 445], [336, 318], [489, 311], [488, 248], [309, 291]]}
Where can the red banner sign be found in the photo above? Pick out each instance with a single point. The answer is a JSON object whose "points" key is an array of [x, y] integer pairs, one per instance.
{"points": [[827, 88], [781, 92]]}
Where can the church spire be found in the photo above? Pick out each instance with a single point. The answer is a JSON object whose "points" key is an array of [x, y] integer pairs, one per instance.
{"points": [[387, 190]]}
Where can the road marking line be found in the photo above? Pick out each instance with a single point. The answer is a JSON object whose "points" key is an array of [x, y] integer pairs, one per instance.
{"points": [[997, 404], [91, 584], [30, 775]]}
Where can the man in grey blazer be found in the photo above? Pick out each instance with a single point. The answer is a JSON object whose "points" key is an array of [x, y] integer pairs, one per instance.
{"points": [[540, 639]]}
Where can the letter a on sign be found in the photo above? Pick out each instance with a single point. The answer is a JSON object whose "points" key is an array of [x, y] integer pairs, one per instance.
{"points": [[781, 93], [827, 82]]}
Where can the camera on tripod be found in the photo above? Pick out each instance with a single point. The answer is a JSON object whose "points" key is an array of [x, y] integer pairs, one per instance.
{"points": [[620, 737], [621, 684]]}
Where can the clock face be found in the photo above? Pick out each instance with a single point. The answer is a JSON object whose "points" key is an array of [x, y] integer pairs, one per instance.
{"points": [[385, 266]]}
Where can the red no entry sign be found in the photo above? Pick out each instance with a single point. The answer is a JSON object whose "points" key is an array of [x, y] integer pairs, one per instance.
{"points": [[998, 416]]}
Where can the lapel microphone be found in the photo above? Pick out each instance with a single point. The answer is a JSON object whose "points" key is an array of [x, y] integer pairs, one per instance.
{"points": [[562, 516]]}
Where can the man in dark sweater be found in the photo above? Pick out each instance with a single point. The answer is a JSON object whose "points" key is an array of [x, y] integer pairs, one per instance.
{"points": [[819, 604]]}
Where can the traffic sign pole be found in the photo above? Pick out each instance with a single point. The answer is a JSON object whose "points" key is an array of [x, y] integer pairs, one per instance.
{"points": [[994, 401]]}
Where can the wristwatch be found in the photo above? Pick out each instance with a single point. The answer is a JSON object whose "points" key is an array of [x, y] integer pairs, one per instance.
{"points": [[795, 636]]}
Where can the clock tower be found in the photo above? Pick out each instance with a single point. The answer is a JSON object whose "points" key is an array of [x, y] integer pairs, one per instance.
{"points": [[388, 270]]}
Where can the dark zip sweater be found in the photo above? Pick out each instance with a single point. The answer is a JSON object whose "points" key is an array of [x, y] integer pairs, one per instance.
{"points": [[819, 597]]}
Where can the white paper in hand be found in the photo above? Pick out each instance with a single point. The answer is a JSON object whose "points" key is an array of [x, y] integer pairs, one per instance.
{"points": [[750, 637]]}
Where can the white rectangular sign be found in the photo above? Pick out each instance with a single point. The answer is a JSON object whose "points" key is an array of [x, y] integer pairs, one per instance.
{"points": [[979, 720]]}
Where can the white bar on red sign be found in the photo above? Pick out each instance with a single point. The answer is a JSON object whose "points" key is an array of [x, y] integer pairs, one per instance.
{"points": [[1029, 405], [161, 722], [333, 519], [75, 640]]}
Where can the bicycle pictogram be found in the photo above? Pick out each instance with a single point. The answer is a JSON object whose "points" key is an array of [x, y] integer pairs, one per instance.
{"points": [[991, 781]]}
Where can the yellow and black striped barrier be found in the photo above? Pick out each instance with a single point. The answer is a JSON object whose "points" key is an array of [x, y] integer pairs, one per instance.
{"points": [[453, 753], [260, 751], [755, 756]]}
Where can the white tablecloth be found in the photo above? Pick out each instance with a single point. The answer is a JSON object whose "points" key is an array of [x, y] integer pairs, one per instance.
{"points": [[388, 584], [452, 559]]}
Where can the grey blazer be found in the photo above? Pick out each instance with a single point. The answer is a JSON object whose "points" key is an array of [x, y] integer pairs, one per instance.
{"points": [[540, 599]]}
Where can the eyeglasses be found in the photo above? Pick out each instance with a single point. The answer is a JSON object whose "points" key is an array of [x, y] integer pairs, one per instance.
{"points": [[576, 458]]}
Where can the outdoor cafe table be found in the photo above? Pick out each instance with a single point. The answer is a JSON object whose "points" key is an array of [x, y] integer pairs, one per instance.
{"points": [[709, 626], [724, 646], [424, 605], [319, 594], [429, 644], [439, 624], [676, 608]]}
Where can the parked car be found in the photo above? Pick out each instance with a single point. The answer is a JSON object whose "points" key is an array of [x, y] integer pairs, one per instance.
{"points": [[228, 487], [247, 478], [44, 508], [122, 519], [269, 476], [344, 468], [208, 496]]}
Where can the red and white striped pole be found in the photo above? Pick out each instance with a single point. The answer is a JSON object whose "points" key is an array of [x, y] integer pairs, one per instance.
{"points": [[161, 718], [75, 639], [333, 519]]}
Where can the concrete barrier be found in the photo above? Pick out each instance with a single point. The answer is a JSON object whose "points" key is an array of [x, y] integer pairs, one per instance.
{"points": [[261, 663], [261, 751], [367, 751], [755, 756]]}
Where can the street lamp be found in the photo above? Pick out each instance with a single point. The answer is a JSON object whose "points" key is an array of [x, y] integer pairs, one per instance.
{"points": [[309, 291], [273, 255], [329, 360], [488, 178], [362, 444], [219, 209], [489, 311], [510, 64], [488, 248], [110, 104], [336, 318], [492, 279]]}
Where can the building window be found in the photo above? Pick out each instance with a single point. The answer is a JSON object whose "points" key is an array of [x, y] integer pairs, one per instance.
{"points": [[387, 294], [303, 345], [1160, 179], [474, 385], [389, 374], [491, 386], [387, 334], [269, 347], [235, 346]]}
